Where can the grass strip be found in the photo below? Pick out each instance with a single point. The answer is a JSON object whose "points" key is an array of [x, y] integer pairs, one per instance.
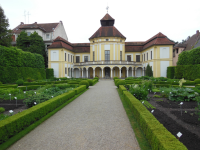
{"points": [[21, 134], [143, 143]]}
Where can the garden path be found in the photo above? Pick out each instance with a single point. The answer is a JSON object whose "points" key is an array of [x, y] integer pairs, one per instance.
{"points": [[95, 120]]}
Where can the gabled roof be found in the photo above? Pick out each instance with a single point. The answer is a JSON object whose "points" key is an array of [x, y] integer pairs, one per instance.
{"points": [[107, 17], [107, 31], [76, 47], [45, 27], [192, 41]]}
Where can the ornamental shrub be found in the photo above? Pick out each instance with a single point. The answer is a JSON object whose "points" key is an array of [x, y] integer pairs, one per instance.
{"points": [[90, 82], [197, 81], [171, 72], [49, 73], [149, 71], [2, 109], [84, 82], [139, 92], [115, 78], [96, 78], [121, 82], [19, 82]]}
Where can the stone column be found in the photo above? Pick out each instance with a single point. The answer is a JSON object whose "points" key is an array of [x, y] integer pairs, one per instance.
{"points": [[120, 73], [86, 73], [135, 72], [111, 73], [93, 73], [79, 72], [127, 72], [102, 73], [82, 73], [132, 72]]}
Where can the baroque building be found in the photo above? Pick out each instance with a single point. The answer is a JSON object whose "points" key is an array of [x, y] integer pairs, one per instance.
{"points": [[108, 55]]}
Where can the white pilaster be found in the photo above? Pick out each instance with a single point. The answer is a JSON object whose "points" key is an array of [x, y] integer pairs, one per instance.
{"points": [[120, 73], [132, 72], [93, 73], [135, 72], [111, 73], [102, 73], [86, 73], [82, 72], [127, 72]]}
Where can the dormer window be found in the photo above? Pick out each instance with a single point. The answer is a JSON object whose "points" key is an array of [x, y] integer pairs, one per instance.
{"points": [[106, 39], [47, 36], [93, 41]]}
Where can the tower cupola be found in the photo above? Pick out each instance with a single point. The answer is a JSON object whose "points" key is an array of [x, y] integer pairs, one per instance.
{"points": [[107, 20]]}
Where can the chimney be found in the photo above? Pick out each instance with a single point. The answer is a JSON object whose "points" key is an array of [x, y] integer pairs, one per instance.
{"points": [[22, 23], [61, 22], [197, 33], [35, 22]]}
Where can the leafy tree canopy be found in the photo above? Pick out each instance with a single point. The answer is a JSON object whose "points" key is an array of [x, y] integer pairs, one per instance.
{"points": [[5, 33], [149, 71]]}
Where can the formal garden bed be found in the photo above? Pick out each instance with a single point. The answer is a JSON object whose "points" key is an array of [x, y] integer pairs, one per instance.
{"points": [[172, 106]]}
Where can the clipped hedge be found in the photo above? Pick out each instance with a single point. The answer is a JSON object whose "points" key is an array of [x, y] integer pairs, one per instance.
{"points": [[189, 72], [90, 82], [121, 82], [122, 88], [80, 89], [16, 123], [197, 81], [84, 82], [162, 85], [157, 135], [49, 73], [171, 72], [12, 74], [8, 86]]}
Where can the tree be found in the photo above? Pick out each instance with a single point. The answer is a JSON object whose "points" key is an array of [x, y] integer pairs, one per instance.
{"points": [[5, 33], [149, 71], [33, 43]]}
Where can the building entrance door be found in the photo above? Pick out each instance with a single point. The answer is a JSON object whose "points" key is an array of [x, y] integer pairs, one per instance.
{"points": [[107, 72]]}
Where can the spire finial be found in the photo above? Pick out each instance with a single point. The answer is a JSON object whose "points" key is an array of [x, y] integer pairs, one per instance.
{"points": [[107, 8]]}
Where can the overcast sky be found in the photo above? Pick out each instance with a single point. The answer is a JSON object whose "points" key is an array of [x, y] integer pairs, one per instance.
{"points": [[136, 20]]}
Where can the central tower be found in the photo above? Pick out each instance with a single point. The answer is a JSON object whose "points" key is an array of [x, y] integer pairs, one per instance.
{"points": [[107, 20]]}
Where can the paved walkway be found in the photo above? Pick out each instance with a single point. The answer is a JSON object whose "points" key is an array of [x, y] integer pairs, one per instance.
{"points": [[94, 121]]}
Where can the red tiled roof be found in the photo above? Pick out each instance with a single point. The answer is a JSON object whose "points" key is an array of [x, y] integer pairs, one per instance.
{"points": [[133, 48], [158, 39], [75, 47], [46, 27], [107, 31], [107, 17]]}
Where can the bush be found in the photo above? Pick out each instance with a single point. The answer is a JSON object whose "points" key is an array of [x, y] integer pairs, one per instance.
{"points": [[129, 78], [149, 71], [115, 78], [197, 81], [19, 82], [90, 82], [144, 78], [0, 83], [2, 109], [147, 85], [139, 92], [121, 82], [84, 82], [96, 78], [171, 72], [49, 73], [182, 94]]}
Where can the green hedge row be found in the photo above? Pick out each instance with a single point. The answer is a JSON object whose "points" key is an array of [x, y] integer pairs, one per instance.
{"points": [[157, 135], [31, 87], [49, 73], [122, 88], [171, 72], [13, 57], [43, 83], [189, 72], [16, 123], [8, 86], [80, 89], [12, 74]]}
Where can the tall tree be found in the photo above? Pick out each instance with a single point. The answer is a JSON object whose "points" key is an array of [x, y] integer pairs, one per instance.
{"points": [[5, 33], [149, 71], [33, 43]]}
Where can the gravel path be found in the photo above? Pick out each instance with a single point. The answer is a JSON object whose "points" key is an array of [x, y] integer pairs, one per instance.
{"points": [[94, 121]]}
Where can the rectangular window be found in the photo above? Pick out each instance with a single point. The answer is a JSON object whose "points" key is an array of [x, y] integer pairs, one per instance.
{"points": [[147, 56], [151, 54], [47, 36], [71, 58], [77, 59], [177, 51], [65, 70], [121, 55], [107, 55], [65, 56], [28, 33], [137, 58], [68, 57], [85, 58], [129, 58], [144, 57], [93, 56]]}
